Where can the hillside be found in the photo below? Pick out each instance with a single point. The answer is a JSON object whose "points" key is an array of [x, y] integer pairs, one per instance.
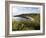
{"points": [[27, 25]]}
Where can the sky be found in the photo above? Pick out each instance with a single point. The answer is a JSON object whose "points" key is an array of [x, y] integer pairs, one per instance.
{"points": [[24, 10]]}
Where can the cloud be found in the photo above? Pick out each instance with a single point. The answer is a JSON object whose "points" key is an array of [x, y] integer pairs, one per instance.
{"points": [[24, 10]]}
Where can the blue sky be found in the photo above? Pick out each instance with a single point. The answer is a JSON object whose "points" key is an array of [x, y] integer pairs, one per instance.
{"points": [[23, 10]]}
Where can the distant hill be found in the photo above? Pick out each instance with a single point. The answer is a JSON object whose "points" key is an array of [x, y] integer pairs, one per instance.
{"points": [[21, 15]]}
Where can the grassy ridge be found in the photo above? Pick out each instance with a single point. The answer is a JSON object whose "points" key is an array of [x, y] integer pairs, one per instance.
{"points": [[27, 25]]}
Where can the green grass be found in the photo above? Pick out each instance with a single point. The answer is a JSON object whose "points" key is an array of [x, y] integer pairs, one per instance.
{"points": [[27, 25]]}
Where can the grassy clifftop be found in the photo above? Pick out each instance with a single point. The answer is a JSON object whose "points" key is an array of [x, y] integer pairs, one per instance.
{"points": [[27, 25]]}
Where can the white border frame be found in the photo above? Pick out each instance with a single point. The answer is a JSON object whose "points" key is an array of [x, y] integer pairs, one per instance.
{"points": [[29, 31]]}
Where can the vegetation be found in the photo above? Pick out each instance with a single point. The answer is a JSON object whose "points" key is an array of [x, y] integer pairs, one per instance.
{"points": [[27, 25]]}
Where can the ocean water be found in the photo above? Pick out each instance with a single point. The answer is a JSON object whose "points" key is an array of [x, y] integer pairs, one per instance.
{"points": [[19, 18]]}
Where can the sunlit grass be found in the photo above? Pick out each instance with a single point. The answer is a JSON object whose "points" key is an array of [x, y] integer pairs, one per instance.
{"points": [[27, 25]]}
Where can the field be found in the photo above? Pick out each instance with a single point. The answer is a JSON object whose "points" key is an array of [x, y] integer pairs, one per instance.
{"points": [[27, 25]]}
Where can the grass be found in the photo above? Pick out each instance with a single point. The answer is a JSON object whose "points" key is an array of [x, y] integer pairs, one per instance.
{"points": [[27, 25]]}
